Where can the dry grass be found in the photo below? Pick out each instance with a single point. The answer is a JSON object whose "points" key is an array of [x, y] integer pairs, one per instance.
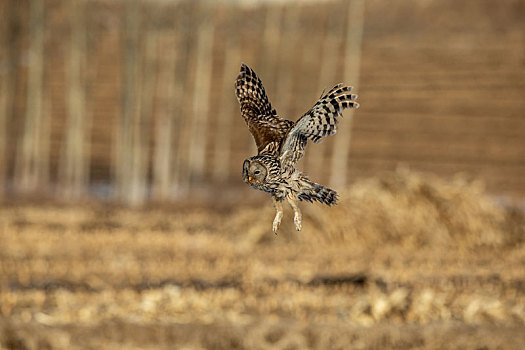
{"points": [[405, 260]]}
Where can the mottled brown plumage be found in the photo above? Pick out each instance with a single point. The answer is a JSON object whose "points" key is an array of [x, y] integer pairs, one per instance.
{"points": [[281, 143], [267, 128]]}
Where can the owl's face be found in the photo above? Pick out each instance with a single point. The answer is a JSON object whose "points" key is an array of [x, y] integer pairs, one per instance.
{"points": [[253, 173]]}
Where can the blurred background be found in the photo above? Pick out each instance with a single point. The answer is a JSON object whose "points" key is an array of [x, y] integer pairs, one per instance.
{"points": [[134, 100], [124, 221]]}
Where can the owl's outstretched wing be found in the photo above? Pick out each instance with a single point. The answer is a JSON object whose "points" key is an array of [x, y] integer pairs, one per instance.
{"points": [[267, 128], [319, 121]]}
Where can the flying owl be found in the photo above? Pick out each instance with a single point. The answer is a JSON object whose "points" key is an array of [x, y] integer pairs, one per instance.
{"points": [[281, 143]]}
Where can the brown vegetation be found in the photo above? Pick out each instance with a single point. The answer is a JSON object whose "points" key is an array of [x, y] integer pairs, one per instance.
{"points": [[405, 260]]}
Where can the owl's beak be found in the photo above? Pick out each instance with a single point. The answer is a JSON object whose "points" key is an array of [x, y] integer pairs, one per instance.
{"points": [[250, 179]]}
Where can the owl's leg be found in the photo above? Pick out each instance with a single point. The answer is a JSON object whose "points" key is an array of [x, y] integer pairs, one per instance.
{"points": [[297, 216], [278, 204]]}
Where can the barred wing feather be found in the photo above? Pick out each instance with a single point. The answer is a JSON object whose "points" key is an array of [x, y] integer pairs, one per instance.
{"points": [[267, 128], [320, 121]]}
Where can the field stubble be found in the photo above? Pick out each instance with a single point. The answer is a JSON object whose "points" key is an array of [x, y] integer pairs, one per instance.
{"points": [[405, 260]]}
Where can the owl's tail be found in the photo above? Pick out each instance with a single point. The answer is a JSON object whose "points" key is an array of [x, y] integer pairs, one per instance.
{"points": [[319, 193]]}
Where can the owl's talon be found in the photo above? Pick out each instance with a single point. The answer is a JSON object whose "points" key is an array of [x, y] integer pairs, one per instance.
{"points": [[278, 214], [277, 222], [298, 222], [275, 226], [297, 216]]}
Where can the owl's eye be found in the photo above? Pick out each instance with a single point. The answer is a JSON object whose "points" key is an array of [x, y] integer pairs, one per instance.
{"points": [[257, 172]]}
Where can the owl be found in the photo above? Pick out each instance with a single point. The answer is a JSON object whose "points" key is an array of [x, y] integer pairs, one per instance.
{"points": [[281, 143]]}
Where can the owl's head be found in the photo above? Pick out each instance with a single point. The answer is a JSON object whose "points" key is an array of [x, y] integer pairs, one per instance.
{"points": [[254, 172]]}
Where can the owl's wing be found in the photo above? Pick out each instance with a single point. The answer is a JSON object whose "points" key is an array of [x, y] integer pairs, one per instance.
{"points": [[319, 121], [267, 128]]}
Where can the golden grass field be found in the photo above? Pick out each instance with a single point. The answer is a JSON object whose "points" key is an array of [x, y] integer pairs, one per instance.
{"points": [[406, 260]]}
